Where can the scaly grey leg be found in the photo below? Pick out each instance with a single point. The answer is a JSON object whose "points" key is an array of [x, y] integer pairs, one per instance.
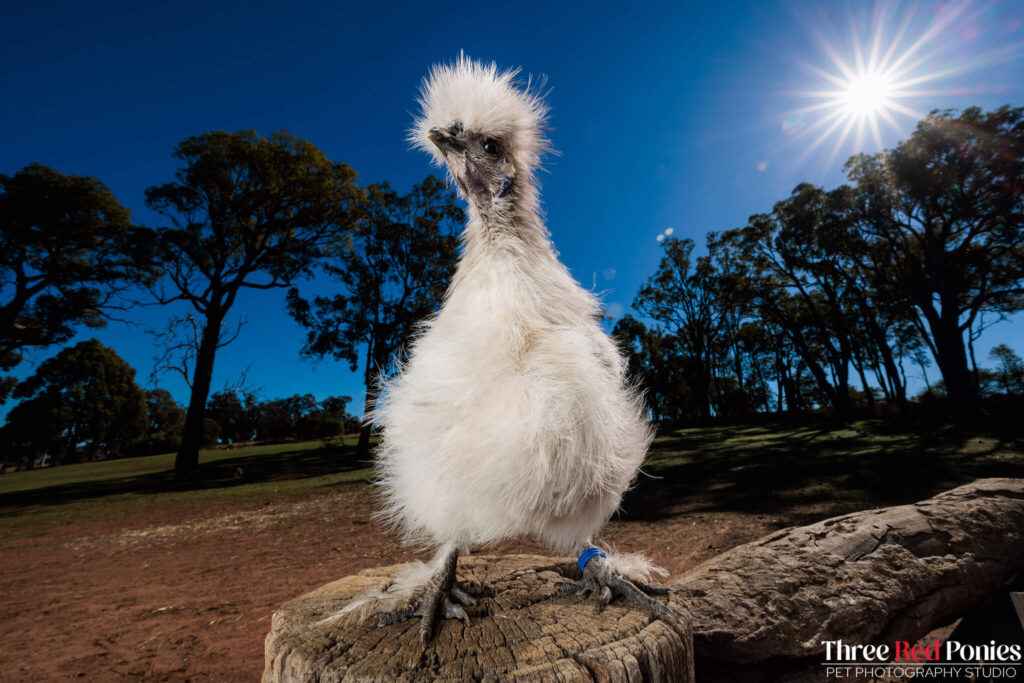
{"points": [[604, 583], [442, 599]]}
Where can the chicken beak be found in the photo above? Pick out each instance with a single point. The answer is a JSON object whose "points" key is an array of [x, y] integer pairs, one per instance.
{"points": [[445, 141]]}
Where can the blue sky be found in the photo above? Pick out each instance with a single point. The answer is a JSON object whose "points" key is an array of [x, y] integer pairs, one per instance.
{"points": [[673, 115]]}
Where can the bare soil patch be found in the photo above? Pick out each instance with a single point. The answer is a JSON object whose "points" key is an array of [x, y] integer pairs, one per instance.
{"points": [[186, 594]]}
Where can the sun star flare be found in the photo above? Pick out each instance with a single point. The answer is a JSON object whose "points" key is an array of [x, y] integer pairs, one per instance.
{"points": [[891, 61]]}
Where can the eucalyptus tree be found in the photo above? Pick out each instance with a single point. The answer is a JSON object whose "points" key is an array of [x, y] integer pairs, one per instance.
{"points": [[947, 207], [245, 212], [786, 268], [658, 364], [1009, 372], [680, 296], [67, 250]]}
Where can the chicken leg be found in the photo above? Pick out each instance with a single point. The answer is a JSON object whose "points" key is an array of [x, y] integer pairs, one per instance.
{"points": [[604, 583], [442, 599]]}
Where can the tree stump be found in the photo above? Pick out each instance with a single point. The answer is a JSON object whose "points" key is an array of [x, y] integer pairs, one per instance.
{"points": [[758, 612], [522, 629]]}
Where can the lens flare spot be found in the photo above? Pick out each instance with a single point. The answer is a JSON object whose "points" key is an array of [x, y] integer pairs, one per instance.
{"points": [[792, 125], [762, 166]]}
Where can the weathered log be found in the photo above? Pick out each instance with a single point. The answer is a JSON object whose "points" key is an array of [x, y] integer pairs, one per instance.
{"points": [[522, 629], [877, 576], [761, 611]]}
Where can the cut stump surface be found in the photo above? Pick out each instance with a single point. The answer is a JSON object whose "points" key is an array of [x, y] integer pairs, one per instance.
{"points": [[522, 629]]}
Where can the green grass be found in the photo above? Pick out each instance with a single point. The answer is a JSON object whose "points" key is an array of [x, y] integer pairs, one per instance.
{"points": [[808, 472], [798, 473], [35, 501], [133, 468]]}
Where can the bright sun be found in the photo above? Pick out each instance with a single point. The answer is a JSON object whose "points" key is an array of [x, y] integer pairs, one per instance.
{"points": [[863, 96], [886, 69], [866, 95]]}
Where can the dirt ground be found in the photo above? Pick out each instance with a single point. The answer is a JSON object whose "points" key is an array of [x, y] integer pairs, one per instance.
{"points": [[186, 593]]}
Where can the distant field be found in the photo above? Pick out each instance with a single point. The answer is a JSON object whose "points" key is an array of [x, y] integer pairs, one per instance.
{"points": [[123, 468], [34, 500], [804, 472]]}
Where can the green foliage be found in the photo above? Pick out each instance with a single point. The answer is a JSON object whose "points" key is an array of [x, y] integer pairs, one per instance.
{"points": [[67, 249], [243, 418], [703, 357], [335, 405], [165, 415], [7, 385], [318, 426], [1009, 372], [393, 271], [166, 420], [681, 297], [658, 362], [211, 432], [83, 401], [277, 419], [245, 206], [234, 412]]}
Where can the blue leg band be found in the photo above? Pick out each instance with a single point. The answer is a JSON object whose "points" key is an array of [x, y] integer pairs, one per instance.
{"points": [[587, 555]]}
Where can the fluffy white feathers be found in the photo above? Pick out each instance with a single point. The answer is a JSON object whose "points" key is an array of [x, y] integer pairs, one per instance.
{"points": [[483, 99], [512, 414], [409, 583]]}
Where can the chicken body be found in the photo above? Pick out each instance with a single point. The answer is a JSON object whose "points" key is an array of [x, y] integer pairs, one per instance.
{"points": [[512, 415]]}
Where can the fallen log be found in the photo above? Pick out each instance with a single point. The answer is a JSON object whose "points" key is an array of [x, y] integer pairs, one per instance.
{"points": [[766, 608], [762, 611]]}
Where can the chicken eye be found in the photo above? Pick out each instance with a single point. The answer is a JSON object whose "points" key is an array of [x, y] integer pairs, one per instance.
{"points": [[492, 147]]}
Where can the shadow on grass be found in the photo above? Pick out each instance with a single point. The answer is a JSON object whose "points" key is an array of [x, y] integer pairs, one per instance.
{"points": [[798, 473], [288, 463], [808, 473]]}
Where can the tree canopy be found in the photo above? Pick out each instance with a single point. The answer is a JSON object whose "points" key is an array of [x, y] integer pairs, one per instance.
{"points": [[246, 212], [947, 209], [392, 272], [67, 249], [83, 401]]}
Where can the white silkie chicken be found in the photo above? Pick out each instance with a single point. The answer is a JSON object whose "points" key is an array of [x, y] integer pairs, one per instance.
{"points": [[512, 415]]}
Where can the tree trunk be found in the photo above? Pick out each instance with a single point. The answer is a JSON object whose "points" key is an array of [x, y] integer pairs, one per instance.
{"points": [[840, 400], [878, 337], [759, 612], [947, 343], [869, 395], [951, 357], [363, 447], [187, 460]]}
